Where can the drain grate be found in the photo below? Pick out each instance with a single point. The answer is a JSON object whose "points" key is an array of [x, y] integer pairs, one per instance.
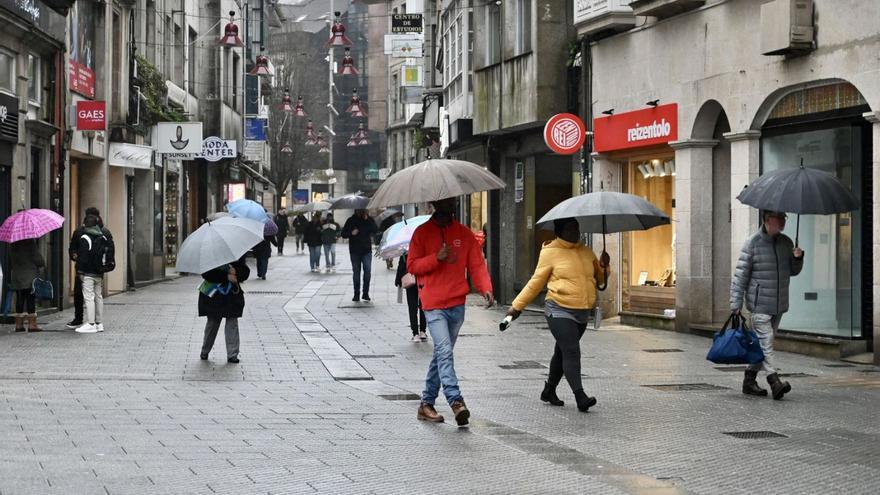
{"points": [[522, 365], [685, 387], [401, 397], [795, 375], [754, 435], [266, 292], [372, 356], [662, 350], [840, 365], [732, 368]]}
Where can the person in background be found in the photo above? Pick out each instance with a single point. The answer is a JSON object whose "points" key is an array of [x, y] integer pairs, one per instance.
{"points": [[262, 253], [767, 262], [359, 229], [72, 248], [443, 254], [283, 228], [299, 231], [329, 234], [314, 240], [25, 263], [90, 268], [221, 296], [571, 273], [417, 322]]}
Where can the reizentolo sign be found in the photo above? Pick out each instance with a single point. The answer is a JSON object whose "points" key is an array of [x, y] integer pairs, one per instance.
{"points": [[215, 149]]}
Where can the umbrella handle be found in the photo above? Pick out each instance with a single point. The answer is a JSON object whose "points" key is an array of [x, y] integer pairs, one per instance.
{"points": [[797, 231], [604, 284]]}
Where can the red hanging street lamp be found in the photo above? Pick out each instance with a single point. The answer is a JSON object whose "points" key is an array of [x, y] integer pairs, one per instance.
{"points": [[337, 33], [347, 68], [230, 34], [311, 138], [286, 103], [355, 108], [261, 67], [299, 110], [286, 148], [321, 142]]}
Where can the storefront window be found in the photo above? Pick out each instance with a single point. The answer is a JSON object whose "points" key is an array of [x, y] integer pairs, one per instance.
{"points": [[826, 297], [158, 205], [172, 199]]}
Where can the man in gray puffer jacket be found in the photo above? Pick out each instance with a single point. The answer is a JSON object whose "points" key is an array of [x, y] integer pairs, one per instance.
{"points": [[766, 264]]}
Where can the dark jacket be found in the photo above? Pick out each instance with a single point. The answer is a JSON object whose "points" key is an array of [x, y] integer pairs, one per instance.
{"points": [[299, 225], [89, 259], [25, 262], [361, 243], [264, 248], [763, 273], [73, 247], [230, 305], [330, 232], [401, 271], [283, 224], [313, 234]]}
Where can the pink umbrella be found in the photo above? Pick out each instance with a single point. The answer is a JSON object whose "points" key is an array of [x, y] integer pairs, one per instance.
{"points": [[30, 224]]}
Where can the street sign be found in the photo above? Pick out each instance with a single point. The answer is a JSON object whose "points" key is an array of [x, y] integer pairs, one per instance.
{"points": [[406, 23], [215, 149], [91, 115], [183, 139], [564, 133]]}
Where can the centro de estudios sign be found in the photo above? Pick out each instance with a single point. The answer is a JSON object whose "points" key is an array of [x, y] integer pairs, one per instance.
{"points": [[586, 10]]}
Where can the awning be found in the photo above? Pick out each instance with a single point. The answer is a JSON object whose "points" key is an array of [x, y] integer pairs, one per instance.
{"points": [[131, 155]]}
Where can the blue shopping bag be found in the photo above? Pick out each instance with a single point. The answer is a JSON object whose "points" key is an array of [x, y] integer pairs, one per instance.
{"points": [[735, 344], [43, 289]]}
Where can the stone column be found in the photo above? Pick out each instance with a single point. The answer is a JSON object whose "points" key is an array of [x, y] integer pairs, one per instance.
{"points": [[745, 160], [607, 177], [874, 119], [693, 232]]}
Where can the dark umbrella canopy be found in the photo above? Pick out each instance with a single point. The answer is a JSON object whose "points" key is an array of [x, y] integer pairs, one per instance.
{"points": [[805, 191], [350, 202], [606, 212]]}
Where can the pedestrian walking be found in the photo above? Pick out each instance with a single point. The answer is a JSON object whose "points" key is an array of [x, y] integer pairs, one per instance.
{"points": [[25, 263], [767, 262], [314, 241], [283, 228], [359, 229], [417, 322], [329, 234], [72, 248], [94, 252], [299, 225], [262, 253], [443, 254], [221, 296], [571, 273]]}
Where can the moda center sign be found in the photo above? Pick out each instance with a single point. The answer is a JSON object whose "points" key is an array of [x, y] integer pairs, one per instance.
{"points": [[646, 127]]}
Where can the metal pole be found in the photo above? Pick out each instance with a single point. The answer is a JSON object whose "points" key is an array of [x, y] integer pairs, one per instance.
{"points": [[330, 136]]}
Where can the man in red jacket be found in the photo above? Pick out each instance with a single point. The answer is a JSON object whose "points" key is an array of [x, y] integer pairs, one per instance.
{"points": [[442, 253]]}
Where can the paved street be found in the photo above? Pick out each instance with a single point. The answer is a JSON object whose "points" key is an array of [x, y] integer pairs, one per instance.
{"points": [[322, 403]]}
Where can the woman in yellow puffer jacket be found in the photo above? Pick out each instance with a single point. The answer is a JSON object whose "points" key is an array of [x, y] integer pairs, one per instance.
{"points": [[571, 273]]}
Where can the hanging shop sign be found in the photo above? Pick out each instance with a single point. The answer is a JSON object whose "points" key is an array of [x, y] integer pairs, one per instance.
{"points": [[412, 75], [406, 48], [398, 40], [255, 150], [647, 127], [131, 156], [564, 133], [91, 115], [83, 49], [215, 149], [179, 139], [255, 129], [8, 118], [585, 10], [406, 23]]}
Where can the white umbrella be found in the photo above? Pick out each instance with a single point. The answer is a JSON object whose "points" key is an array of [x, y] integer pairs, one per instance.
{"points": [[217, 243], [314, 206], [433, 180], [395, 240]]}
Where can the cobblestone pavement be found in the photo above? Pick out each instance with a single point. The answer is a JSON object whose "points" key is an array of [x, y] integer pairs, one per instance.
{"points": [[322, 402]]}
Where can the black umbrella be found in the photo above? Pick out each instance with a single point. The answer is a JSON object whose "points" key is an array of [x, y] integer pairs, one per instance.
{"points": [[354, 201], [803, 191]]}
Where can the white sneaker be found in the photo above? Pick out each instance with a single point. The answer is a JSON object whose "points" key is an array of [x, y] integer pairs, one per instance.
{"points": [[100, 327], [87, 328], [423, 336], [415, 338]]}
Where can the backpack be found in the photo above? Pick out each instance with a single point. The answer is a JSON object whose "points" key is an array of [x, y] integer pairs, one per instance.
{"points": [[104, 250]]}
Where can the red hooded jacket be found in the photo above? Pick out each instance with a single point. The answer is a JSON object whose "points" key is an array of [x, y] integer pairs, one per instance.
{"points": [[444, 284]]}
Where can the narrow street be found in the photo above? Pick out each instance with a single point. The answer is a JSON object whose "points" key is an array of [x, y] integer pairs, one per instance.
{"points": [[323, 402]]}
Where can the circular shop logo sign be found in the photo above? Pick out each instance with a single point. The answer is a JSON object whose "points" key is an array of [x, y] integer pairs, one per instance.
{"points": [[565, 133]]}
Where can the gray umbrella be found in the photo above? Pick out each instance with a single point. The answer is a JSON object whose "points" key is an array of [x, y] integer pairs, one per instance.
{"points": [[218, 243], [350, 202], [389, 212], [433, 180], [804, 191]]}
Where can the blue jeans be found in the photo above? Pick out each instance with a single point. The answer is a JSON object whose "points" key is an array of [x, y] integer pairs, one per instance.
{"points": [[315, 257], [262, 266], [443, 325], [330, 255], [358, 261]]}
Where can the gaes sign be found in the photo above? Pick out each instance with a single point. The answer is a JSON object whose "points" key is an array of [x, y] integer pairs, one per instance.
{"points": [[91, 115], [637, 129], [564, 133], [215, 149]]}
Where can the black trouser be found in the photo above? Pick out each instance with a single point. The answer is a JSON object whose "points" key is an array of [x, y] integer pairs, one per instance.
{"points": [[416, 316], [24, 300], [79, 302], [567, 353], [279, 240]]}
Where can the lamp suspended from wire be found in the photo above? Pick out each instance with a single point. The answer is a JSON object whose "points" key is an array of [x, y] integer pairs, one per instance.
{"points": [[286, 103], [355, 107], [348, 68], [286, 148], [311, 138], [230, 34], [261, 67], [299, 110], [337, 33], [359, 138]]}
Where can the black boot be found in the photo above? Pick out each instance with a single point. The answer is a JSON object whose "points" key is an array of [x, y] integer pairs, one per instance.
{"points": [[750, 384], [777, 386], [584, 401], [549, 395]]}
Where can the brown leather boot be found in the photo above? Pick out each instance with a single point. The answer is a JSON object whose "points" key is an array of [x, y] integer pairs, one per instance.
{"points": [[19, 323], [461, 412], [32, 324], [428, 413]]}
